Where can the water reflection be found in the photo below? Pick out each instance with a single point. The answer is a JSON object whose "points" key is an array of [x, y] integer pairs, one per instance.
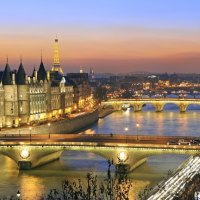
{"points": [[168, 122]]}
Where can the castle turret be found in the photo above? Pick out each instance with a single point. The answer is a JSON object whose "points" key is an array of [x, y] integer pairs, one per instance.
{"points": [[21, 75], [10, 98], [23, 95], [7, 75], [42, 74]]}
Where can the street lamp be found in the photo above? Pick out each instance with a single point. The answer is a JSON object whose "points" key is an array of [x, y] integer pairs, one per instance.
{"points": [[123, 156], [19, 125], [126, 130], [30, 128], [24, 153], [137, 129], [18, 194], [49, 124]]}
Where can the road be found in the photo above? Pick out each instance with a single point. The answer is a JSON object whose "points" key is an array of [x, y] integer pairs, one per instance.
{"points": [[97, 139]]}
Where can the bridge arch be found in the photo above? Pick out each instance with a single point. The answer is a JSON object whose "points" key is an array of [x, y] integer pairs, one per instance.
{"points": [[143, 157], [83, 153], [171, 106], [149, 106], [193, 106], [9, 157]]}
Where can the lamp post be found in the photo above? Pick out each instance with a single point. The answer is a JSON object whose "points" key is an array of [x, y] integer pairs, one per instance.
{"points": [[19, 125], [126, 130], [49, 124], [18, 194], [30, 128], [137, 128]]}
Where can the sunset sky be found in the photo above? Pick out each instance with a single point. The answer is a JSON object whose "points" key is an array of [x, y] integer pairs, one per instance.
{"points": [[107, 35]]}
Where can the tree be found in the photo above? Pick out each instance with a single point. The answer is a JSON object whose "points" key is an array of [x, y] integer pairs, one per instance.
{"points": [[100, 94], [113, 187]]}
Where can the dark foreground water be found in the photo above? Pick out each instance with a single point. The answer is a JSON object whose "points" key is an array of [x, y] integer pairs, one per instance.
{"points": [[73, 165]]}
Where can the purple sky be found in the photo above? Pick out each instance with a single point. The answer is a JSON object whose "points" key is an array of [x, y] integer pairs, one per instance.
{"points": [[109, 36]]}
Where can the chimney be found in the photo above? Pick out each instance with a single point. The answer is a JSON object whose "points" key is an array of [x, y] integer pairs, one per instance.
{"points": [[35, 74], [13, 78]]}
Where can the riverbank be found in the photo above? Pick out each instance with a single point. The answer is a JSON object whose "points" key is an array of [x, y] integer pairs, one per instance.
{"points": [[105, 112], [61, 126]]}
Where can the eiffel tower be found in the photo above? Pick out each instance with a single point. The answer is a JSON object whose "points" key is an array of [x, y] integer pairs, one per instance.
{"points": [[56, 59]]}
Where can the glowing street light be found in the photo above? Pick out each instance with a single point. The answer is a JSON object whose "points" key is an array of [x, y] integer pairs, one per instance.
{"points": [[24, 153], [18, 194], [126, 130], [137, 129], [49, 124], [123, 156]]}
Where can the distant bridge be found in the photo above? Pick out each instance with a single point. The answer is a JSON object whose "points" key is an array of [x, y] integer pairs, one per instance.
{"points": [[158, 103], [130, 151]]}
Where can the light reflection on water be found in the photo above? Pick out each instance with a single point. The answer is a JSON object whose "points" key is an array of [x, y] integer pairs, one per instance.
{"points": [[168, 122], [73, 165]]}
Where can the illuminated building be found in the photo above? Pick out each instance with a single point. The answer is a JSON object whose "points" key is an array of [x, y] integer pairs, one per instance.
{"points": [[43, 95], [82, 89], [25, 99]]}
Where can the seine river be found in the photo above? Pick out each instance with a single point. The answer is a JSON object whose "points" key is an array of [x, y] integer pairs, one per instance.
{"points": [[73, 165]]}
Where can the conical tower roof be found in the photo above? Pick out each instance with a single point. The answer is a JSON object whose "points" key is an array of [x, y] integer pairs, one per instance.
{"points": [[7, 75], [21, 75], [42, 74]]}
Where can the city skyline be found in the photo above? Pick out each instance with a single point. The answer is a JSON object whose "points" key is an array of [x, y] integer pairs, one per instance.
{"points": [[107, 36]]}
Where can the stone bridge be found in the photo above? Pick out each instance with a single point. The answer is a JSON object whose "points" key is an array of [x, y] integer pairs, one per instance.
{"points": [[158, 103], [131, 155]]}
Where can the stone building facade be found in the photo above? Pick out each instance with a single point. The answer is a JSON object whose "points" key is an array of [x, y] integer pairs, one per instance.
{"points": [[82, 89], [26, 99]]}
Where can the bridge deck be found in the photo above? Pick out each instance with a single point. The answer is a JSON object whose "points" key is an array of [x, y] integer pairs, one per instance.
{"points": [[141, 141]]}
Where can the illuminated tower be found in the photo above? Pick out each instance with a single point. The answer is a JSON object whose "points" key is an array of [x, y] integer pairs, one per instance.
{"points": [[56, 59]]}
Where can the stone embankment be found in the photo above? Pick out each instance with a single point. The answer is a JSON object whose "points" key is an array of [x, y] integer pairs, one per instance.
{"points": [[105, 111], [61, 126]]}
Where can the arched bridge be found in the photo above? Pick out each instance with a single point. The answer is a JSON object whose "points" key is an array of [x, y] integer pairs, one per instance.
{"points": [[130, 151], [158, 103]]}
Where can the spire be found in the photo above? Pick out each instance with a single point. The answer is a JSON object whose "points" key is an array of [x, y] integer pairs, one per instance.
{"points": [[7, 74], [21, 75], [56, 60], [41, 55], [20, 59], [42, 74]]}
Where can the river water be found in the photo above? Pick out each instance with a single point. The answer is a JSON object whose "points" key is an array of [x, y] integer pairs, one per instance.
{"points": [[73, 165]]}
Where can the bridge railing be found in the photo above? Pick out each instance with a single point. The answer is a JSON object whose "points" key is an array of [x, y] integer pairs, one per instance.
{"points": [[111, 135], [153, 99]]}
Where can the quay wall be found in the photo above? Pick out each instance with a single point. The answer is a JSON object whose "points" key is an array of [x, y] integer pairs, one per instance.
{"points": [[105, 112], [57, 127]]}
